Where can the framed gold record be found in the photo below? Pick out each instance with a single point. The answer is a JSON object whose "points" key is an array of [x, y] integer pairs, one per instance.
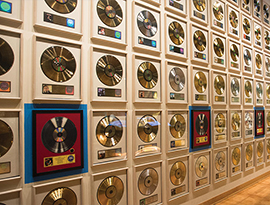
{"points": [[199, 11], [219, 88], [247, 60], [248, 156], [257, 9], [220, 164], [234, 56], [267, 93], [235, 124], [265, 13], [248, 93], [259, 152], [235, 159], [217, 14], [246, 6], [235, 88], [200, 86], [266, 62], [266, 39], [246, 28], [218, 47], [233, 22], [259, 66], [201, 169], [258, 35], [219, 128]]}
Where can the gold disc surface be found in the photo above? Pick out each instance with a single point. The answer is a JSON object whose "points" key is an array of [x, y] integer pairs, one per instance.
{"points": [[218, 11], [234, 53], [6, 57], [147, 128], [178, 173], [258, 59], [246, 26], [6, 138], [235, 86], [176, 33], [248, 88], [249, 151], [147, 75], [233, 19], [259, 149], [267, 64], [218, 47], [248, 120], [177, 126], [247, 57], [147, 23], [220, 123], [200, 82], [201, 166], [258, 33], [235, 121], [62, 6], [267, 37], [236, 155], [60, 196], [220, 161], [259, 90], [199, 5], [177, 79], [148, 181], [219, 85], [199, 40]]}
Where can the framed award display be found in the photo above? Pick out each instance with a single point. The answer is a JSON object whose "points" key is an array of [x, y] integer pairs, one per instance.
{"points": [[235, 124], [266, 66], [248, 91], [267, 149], [234, 56], [109, 136], [266, 40], [266, 12], [257, 35], [200, 45], [235, 88], [246, 6], [108, 75], [57, 141], [267, 93], [200, 86], [177, 122], [176, 6], [248, 155], [220, 164], [176, 38], [109, 21], [217, 11], [218, 47], [146, 33], [257, 9], [219, 88], [246, 28], [177, 83], [233, 22], [259, 90], [178, 175], [148, 83], [200, 137], [10, 65], [267, 122], [235, 160], [258, 64], [220, 126], [247, 61], [199, 11], [147, 184], [259, 152], [11, 12], [259, 122], [248, 124]]}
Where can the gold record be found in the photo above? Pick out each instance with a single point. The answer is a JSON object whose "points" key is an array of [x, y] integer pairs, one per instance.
{"points": [[110, 190], [178, 173], [200, 82], [236, 156], [219, 84], [248, 88], [147, 75], [235, 87], [109, 12], [176, 33], [220, 161], [148, 181], [247, 57], [109, 70], [147, 23], [268, 146], [199, 5], [218, 10], [60, 196], [235, 121], [62, 6], [268, 91], [257, 6], [259, 90], [147, 128], [265, 11], [267, 64], [177, 126], [258, 61], [234, 52], [6, 57], [109, 131], [6, 138], [249, 151], [246, 26], [233, 19], [218, 47], [199, 40], [177, 79], [266, 37], [220, 123], [248, 120], [258, 32], [201, 166], [268, 119], [259, 149]]}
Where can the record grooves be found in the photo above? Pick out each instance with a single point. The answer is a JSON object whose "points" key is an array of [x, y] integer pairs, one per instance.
{"points": [[177, 79], [62, 6], [147, 23], [176, 33], [6, 138], [6, 57], [60, 196], [147, 128], [148, 181], [147, 75]]}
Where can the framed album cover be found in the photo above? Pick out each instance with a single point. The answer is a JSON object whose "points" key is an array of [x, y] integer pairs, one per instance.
{"points": [[57, 140], [259, 122]]}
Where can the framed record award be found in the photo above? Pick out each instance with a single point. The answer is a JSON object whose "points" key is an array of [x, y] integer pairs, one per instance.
{"points": [[257, 9], [247, 61], [267, 149], [235, 90], [234, 56], [259, 90], [257, 35], [217, 11], [200, 91], [235, 124], [248, 92], [259, 152], [248, 155], [258, 64], [266, 40], [259, 122], [218, 46], [57, 141], [219, 88], [266, 11], [202, 169], [235, 159], [246, 6], [249, 124], [266, 63], [267, 122], [233, 22], [246, 28], [199, 11], [220, 164], [220, 126]]}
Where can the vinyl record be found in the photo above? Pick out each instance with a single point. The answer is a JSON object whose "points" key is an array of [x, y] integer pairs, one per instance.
{"points": [[201, 166], [148, 181], [259, 149], [109, 12], [235, 121], [109, 70], [199, 5], [218, 47], [268, 119], [201, 124], [258, 60], [62, 6], [60, 195], [6, 138], [236, 155], [110, 191], [245, 4], [265, 11], [200, 82], [58, 64], [233, 19], [266, 37], [59, 134], [247, 57], [258, 33], [219, 85], [268, 91], [109, 131], [268, 146], [259, 119], [178, 173], [147, 128], [220, 161], [199, 40], [6, 57], [177, 79], [267, 64], [177, 126], [246, 26], [248, 120], [249, 151], [220, 123], [235, 86], [147, 75], [218, 11], [176, 33], [259, 90], [234, 53], [257, 6], [147, 23], [248, 88]]}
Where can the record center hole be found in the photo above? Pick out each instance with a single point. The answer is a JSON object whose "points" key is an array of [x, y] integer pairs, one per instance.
{"points": [[178, 174], [177, 126], [147, 24], [59, 64], [148, 181], [111, 192], [110, 70], [176, 33], [62, 2], [110, 12], [59, 134], [148, 129], [110, 131], [177, 79], [148, 75]]}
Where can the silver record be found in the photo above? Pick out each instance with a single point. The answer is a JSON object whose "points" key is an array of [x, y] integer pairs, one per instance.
{"points": [[177, 79]]}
